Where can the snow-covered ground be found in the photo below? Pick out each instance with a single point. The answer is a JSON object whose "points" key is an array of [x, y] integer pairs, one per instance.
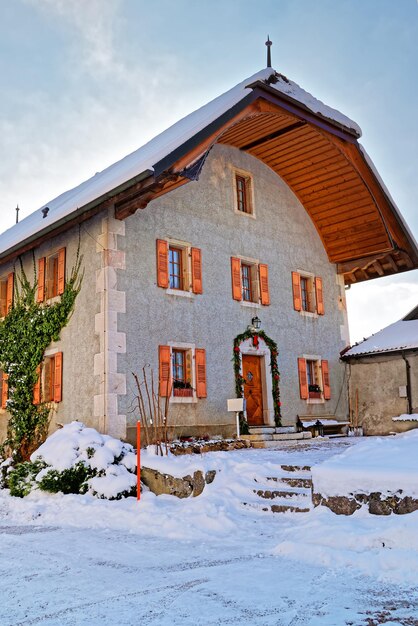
{"points": [[377, 464], [206, 560]]}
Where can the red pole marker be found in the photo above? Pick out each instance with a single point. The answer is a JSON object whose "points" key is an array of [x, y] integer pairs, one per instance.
{"points": [[138, 460]]}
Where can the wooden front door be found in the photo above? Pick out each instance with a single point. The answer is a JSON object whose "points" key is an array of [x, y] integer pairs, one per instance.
{"points": [[253, 392]]}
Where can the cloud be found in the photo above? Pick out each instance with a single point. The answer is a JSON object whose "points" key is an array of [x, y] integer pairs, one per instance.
{"points": [[56, 136], [376, 304], [96, 23]]}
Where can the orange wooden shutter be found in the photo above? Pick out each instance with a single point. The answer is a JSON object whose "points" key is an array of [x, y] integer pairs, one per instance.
{"points": [[319, 296], [236, 278], [264, 283], [303, 381], [297, 296], [197, 270], [162, 263], [57, 377], [4, 391], [9, 293], [325, 380], [37, 387], [201, 391], [61, 271], [41, 279], [165, 370], [3, 298]]}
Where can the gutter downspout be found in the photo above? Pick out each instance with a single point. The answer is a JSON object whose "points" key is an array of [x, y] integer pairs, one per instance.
{"points": [[105, 253], [408, 384]]}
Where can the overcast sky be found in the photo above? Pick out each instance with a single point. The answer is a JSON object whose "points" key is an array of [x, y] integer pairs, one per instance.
{"points": [[85, 82]]}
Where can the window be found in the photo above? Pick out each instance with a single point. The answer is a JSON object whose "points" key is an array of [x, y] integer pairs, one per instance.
{"points": [[249, 281], [314, 383], [4, 389], [243, 193], [307, 293], [6, 294], [179, 266], [182, 372], [175, 262], [247, 288], [51, 275], [48, 387]]}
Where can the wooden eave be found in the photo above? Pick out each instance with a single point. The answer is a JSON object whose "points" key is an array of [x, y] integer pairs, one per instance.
{"points": [[319, 159]]}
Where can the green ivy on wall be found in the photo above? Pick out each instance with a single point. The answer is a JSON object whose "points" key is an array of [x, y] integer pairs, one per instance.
{"points": [[255, 335], [25, 333]]}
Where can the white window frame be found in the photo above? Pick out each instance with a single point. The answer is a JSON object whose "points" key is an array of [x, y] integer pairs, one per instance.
{"points": [[254, 263], [187, 347], [186, 248]]}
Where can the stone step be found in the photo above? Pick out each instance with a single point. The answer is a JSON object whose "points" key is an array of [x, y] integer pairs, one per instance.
{"points": [[258, 437], [296, 468], [278, 508], [274, 440], [283, 508], [262, 430], [272, 494], [285, 489], [297, 482], [288, 476], [291, 436]]}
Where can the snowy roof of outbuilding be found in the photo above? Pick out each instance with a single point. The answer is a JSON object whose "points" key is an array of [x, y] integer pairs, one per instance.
{"points": [[402, 335], [141, 163]]}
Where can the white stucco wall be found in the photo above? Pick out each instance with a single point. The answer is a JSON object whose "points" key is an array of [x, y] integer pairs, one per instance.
{"points": [[121, 316], [79, 342], [282, 235]]}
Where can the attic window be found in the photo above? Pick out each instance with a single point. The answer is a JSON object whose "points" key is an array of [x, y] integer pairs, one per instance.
{"points": [[243, 193]]}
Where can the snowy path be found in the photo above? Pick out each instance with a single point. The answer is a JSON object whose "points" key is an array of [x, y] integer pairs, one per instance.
{"points": [[75, 560], [73, 576]]}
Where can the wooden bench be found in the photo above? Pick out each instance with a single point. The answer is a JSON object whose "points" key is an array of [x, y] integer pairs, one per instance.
{"points": [[322, 425]]}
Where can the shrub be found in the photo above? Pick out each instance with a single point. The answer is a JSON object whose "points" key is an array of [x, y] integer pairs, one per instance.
{"points": [[71, 480], [78, 460], [22, 479]]}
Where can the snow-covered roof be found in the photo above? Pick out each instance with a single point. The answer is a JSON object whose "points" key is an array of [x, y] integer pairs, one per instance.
{"points": [[402, 335], [143, 160]]}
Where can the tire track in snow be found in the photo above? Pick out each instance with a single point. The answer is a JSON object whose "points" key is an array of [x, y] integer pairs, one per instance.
{"points": [[179, 588]]}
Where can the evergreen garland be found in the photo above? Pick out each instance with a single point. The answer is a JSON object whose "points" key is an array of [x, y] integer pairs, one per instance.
{"points": [[25, 333], [275, 374]]}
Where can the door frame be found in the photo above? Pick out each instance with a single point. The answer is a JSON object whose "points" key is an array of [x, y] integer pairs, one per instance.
{"points": [[262, 351]]}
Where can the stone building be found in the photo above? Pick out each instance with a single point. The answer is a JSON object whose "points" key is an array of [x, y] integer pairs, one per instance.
{"points": [[383, 378], [260, 206]]}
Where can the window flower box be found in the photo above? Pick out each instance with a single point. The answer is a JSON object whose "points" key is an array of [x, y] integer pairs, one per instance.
{"points": [[315, 395], [315, 392], [182, 393]]}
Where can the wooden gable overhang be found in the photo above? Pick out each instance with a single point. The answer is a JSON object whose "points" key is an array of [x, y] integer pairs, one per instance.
{"points": [[319, 158], [324, 165]]}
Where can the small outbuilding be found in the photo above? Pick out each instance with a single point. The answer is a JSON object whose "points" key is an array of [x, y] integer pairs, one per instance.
{"points": [[383, 378]]}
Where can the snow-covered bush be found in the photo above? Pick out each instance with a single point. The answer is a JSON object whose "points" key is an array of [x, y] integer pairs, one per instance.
{"points": [[22, 478], [5, 469], [77, 459]]}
